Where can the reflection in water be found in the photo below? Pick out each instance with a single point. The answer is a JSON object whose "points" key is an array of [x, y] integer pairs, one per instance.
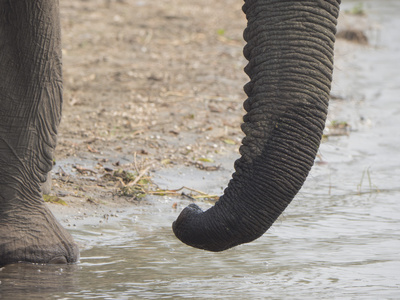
{"points": [[38, 281], [340, 238]]}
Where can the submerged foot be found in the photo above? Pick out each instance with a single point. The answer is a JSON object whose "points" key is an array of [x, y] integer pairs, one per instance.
{"points": [[34, 235]]}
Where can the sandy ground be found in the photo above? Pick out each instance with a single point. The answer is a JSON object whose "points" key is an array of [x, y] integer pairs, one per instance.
{"points": [[149, 86]]}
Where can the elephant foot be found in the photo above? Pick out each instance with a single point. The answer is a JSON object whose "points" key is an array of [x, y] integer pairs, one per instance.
{"points": [[35, 236]]}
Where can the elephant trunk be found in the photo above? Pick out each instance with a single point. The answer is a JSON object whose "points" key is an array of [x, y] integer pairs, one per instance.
{"points": [[290, 53]]}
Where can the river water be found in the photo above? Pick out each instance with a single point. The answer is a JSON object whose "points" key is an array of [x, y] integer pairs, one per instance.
{"points": [[339, 239]]}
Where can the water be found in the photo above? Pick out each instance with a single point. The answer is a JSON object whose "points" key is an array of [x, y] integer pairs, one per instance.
{"points": [[340, 238]]}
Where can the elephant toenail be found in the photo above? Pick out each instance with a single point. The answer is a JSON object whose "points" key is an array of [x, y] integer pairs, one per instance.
{"points": [[58, 260]]}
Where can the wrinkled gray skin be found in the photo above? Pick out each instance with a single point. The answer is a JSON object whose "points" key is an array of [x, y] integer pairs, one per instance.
{"points": [[30, 112], [290, 53]]}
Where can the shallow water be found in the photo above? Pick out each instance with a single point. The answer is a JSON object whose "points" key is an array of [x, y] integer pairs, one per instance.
{"points": [[340, 238]]}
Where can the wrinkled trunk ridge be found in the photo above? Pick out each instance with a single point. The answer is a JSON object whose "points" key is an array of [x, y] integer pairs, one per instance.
{"points": [[290, 53]]}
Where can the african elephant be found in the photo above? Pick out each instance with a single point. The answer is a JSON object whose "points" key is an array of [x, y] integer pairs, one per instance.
{"points": [[290, 53]]}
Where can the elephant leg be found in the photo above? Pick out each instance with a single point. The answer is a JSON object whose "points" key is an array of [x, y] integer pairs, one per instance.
{"points": [[30, 112]]}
